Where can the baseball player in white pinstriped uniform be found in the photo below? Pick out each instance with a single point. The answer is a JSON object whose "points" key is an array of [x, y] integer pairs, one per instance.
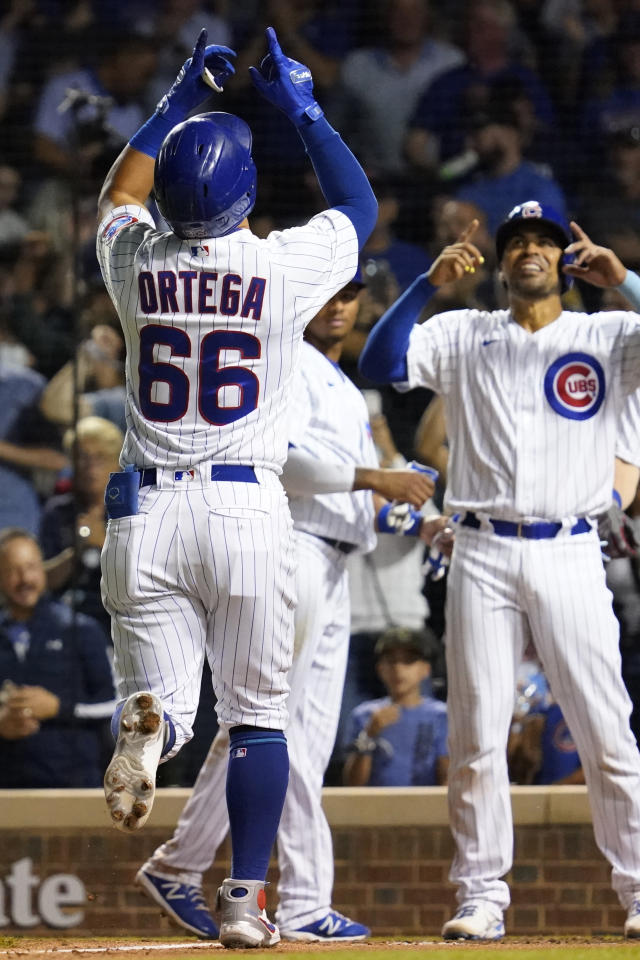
{"points": [[198, 558], [331, 468], [532, 396]]}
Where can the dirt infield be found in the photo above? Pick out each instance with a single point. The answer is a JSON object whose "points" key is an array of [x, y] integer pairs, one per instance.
{"points": [[567, 948]]}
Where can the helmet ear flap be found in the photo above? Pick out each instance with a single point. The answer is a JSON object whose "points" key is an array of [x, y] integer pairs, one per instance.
{"points": [[205, 179]]}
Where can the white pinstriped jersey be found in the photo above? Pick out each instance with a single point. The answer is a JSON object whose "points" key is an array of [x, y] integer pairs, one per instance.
{"points": [[213, 331], [628, 441], [532, 418], [329, 421]]}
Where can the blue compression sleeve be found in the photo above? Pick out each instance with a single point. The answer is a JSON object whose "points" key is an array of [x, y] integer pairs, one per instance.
{"points": [[630, 288], [342, 180], [384, 357], [257, 778]]}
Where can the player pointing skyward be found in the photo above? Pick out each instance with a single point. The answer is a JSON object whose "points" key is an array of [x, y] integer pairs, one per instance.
{"points": [[533, 396], [198, 554]]}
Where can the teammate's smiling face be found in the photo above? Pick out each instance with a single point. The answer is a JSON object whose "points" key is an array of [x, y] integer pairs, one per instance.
{"points": [[531, 262], [335, 321]]}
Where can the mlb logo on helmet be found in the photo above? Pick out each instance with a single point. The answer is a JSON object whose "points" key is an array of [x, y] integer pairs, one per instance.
{"points": [[574, 386]]}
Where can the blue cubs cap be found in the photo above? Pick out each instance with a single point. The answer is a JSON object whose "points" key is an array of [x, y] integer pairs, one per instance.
{"points": [[542, 213]]}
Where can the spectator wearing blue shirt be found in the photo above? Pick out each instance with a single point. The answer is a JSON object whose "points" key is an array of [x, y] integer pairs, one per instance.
{"points": [[400, 740], [435, 135], [540, 749], [503, 175], [27, 443], [57, 687]]}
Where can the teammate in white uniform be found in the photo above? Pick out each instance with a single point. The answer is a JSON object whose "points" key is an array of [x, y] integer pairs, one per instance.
{"points": [[331, 455], [198, 558], [533, 395]]}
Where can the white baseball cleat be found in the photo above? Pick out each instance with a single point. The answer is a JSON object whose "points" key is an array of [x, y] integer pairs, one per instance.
{"points": [[632, 923], [243, 917], [475, 921], [130, 779]]}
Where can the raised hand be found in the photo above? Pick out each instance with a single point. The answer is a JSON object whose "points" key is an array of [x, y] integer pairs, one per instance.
{"points": [[285, 83], [208, 67], [456, 259], [597, 265], [405, 486]]}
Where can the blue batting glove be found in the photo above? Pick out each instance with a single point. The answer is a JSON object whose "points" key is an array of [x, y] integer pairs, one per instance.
{"points": [[191, 87], [287, 84]]}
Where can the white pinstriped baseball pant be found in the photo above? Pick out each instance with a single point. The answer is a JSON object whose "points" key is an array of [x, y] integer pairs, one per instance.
{"points": [[204, 569], [501, 592], [305, 850]]}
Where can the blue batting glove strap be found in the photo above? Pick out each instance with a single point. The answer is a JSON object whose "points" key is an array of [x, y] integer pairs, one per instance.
{"points": [[399, 519], [188, 91], [616, 497], [286, 83]]}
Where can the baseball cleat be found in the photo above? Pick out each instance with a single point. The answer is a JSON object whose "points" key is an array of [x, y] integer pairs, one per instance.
{"points": [[182, 902], [243, 917], [632, 923], [331, 928], [475, 921], [130, 779]]}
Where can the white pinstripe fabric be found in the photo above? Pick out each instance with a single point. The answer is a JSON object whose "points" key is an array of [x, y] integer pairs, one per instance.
{"points": [[514, 456], [302, 268], [305, 851], [204, 568], [329, 422], [628, 440], [511, 454], [501, 593]]}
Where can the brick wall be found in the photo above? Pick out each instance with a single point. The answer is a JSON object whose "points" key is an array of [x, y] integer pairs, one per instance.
{"points": [[391, 875]]}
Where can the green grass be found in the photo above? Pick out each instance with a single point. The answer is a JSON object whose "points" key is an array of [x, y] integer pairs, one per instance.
{"points": [[513, 948]]}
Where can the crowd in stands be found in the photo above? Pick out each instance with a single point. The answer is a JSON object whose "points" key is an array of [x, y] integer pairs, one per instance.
{"points": [[455, 110]]}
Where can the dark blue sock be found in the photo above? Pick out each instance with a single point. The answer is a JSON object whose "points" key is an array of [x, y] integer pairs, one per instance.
{"points": [[257, 779]]}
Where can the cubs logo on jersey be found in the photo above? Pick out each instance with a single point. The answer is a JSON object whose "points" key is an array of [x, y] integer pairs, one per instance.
{"points": [[574, 386], [116, 225]]}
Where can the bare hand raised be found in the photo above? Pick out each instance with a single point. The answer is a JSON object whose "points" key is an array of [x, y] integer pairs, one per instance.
{"points": [[597, 265], [456, 259]]}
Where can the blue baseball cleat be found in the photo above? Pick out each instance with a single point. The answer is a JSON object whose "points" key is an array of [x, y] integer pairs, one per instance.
{"points": [[332, 928], [182, 902]]}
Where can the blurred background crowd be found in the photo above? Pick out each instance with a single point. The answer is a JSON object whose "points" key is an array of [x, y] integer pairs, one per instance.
{"points": [[455, 110]]}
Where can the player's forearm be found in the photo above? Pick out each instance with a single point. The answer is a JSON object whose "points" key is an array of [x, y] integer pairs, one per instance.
{"points": [[357, 770], [343, 182], [306, 476], [625, 481], [384, 357], [129, 180]]}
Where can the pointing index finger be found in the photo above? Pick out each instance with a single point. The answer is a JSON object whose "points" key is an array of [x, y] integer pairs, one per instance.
{"points": [[469, 231], [274, 46], [579, 232]]}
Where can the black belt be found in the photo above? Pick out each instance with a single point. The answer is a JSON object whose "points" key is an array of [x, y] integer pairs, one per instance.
{"points": [[545, 530], [219, 471], [342, 545]]}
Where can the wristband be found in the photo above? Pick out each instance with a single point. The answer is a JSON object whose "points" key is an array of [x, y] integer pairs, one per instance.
{"points": [[616, 498], [148, 139], [630, 288], [364, 744], [409, 526]]}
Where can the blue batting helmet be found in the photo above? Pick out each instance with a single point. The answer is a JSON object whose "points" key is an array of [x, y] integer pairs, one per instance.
{"points": [[541, 213], [205, 177]]}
